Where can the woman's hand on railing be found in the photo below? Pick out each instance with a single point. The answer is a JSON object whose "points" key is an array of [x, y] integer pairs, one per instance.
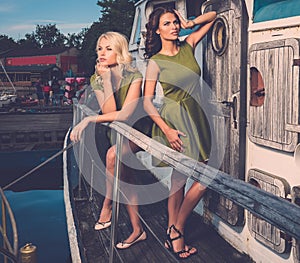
{"points": [[78, 129]]}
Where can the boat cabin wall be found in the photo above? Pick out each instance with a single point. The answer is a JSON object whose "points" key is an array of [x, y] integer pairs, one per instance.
{"points": [[251, 61]]}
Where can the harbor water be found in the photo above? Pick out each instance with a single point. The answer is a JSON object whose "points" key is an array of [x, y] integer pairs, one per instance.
{"points": [[38, 206], [41, 220]]}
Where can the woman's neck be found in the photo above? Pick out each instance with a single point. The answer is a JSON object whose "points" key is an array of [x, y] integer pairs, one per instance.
{"points": [[169, 48]]}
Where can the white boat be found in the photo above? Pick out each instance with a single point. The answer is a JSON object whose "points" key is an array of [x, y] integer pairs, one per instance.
{"points": [[7, 99], [250, 62]]}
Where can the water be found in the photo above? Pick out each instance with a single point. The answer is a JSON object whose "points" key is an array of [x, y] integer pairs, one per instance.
{"points": [[40, 219], [37, 204]]}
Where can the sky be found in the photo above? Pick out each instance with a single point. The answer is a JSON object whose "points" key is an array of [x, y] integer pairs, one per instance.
{"points": [[18, 17]]}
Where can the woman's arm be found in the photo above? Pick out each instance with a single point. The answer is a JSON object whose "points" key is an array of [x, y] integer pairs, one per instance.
{"points": [[149, 91], [205, 21], [106, 102], [128, 107], [126, 111]]}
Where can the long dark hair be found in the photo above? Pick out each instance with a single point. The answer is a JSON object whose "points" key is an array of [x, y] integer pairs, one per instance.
{"points": [[153, 41]]}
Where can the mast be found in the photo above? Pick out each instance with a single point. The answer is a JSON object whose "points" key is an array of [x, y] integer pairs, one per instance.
{"points": [[8, 78]]}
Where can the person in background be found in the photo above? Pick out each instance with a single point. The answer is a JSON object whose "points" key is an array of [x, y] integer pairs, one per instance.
{"points": [[118, 88], [181, 122], [46, 91], [39, 92], [56, 92]]}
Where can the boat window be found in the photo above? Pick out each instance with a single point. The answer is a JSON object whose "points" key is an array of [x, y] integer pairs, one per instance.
{"points": [[220, 35], [265, 10], [193, 8], [137, 33], [165, 4], [257, 96], [254, 183]]}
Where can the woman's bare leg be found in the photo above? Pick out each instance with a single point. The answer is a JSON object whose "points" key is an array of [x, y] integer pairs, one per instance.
{"points": [[128, 176], [106, 210], [180, 215], [132, 207], [191, 199], [176, 196]]}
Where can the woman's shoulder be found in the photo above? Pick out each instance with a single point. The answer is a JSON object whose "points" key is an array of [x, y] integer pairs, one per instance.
{"points": [[132, 74], [184, 45]]}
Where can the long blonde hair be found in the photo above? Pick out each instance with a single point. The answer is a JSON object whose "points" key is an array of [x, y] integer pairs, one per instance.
{"points": [[119, 45]]}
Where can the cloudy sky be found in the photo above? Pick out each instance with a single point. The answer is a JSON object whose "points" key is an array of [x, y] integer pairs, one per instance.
{"points": [[18, 17]]}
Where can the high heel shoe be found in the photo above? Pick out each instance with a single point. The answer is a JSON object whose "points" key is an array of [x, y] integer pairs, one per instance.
{"points": [[188, 248], [142, 236], [169, 244]]}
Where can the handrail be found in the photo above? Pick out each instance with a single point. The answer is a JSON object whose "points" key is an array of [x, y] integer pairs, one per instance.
{"points": [[8, 251], [271, 208]]}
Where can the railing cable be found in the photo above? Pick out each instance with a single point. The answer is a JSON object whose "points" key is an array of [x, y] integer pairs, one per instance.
{"points": [[39, 166]]}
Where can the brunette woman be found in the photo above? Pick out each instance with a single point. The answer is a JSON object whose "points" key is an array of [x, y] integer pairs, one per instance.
{"points": [[181, 122]]}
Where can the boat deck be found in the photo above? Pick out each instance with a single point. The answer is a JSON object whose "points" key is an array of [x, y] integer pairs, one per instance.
{"points": [[211, 247]]}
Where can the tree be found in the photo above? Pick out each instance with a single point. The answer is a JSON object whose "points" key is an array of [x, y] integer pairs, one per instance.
{"points": [[49, 36], [116, 15], [75, 40], [7, 43], [87, 55], [29, 42]]}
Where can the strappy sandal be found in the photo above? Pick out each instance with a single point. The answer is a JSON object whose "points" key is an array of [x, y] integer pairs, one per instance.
{"points": [[169, 243], [186, 247]]}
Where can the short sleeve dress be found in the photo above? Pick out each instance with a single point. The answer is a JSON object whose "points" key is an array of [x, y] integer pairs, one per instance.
{"points": [[179, 76], [139, 119]]}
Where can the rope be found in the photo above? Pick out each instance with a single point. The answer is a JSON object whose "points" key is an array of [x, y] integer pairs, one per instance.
{"points": [[39, 166]]}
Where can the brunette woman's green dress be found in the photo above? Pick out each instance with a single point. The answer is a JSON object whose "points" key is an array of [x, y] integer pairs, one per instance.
{"points": [[179, 77]]}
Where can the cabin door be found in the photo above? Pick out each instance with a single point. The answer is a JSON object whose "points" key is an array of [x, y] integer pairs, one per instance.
{"points": [[224, 70]]}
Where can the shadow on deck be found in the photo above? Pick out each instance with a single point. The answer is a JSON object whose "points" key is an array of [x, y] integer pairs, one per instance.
{"points": [[95, 244]]}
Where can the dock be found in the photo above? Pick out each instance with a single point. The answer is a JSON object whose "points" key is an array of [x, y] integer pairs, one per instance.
{"points": [[34, 128], [95, 245]]}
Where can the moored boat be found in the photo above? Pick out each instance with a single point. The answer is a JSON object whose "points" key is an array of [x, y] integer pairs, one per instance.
{"points": [[250, 63]]}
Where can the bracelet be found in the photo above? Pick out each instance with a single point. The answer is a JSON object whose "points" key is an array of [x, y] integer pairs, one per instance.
{"points": [[97, 118], [193, 22]]}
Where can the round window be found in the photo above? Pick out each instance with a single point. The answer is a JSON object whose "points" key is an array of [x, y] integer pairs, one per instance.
{"points": [[220, 35]]}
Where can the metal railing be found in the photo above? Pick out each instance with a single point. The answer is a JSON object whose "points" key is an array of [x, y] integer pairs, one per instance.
{"points": [[8, 251], [273, 209]]}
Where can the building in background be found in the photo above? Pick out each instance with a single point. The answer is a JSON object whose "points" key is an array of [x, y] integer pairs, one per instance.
{"points": [[25, 66]]}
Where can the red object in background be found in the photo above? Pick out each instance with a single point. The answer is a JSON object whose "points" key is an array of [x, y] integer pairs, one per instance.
{"points": [[80, 82], [46, 88], [37, 60], [73, 85]]}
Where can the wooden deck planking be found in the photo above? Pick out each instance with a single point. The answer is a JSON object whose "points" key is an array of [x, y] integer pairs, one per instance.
{"points": [[212, 248]]}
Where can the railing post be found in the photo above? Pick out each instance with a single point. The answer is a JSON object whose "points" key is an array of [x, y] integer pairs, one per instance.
{"points": [[115, 197], [9, 253], [92, 181], [4, 228], [80, 162], [79, 115]]}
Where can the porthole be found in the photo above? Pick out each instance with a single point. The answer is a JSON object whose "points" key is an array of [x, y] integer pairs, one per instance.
{"points": [[220, 35], [257, 95]]}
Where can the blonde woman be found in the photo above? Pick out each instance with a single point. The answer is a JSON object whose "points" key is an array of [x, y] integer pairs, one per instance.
{"points": [[117, 87]]}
